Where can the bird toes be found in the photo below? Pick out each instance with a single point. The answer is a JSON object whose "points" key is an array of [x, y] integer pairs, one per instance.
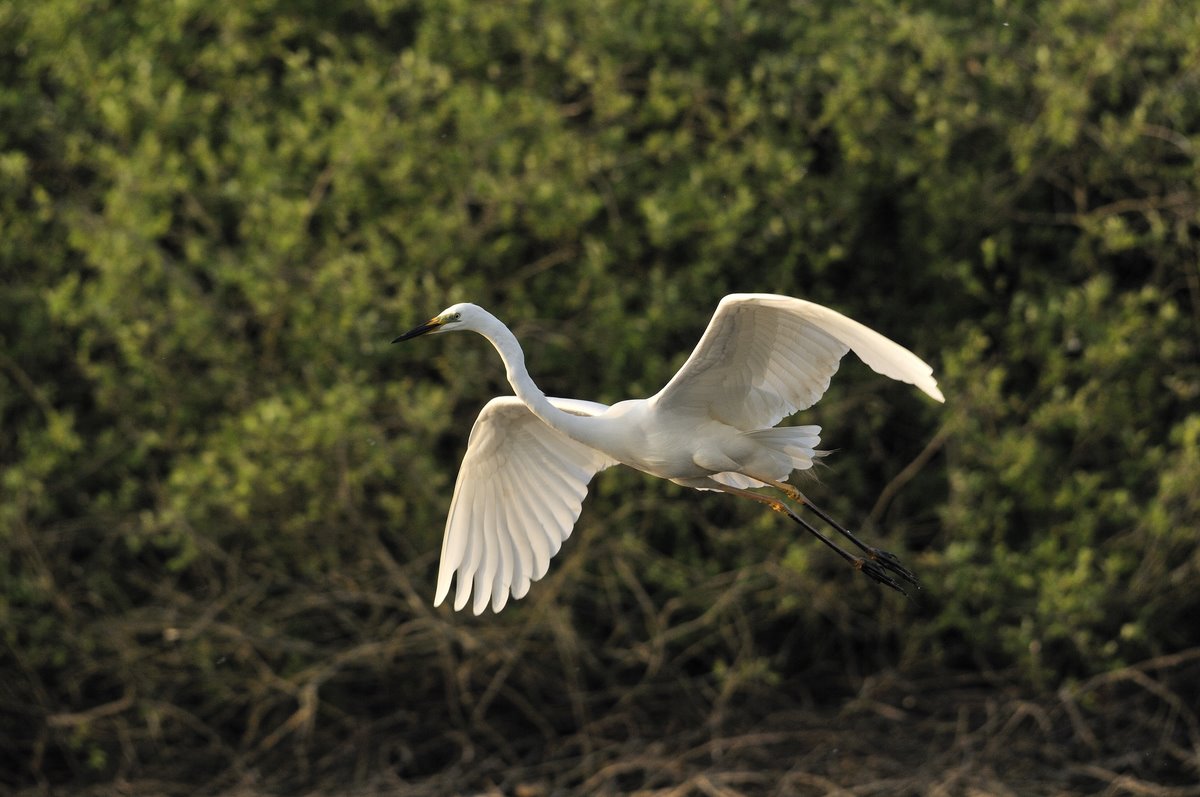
{"points": [[890, 562], [874, 571]]}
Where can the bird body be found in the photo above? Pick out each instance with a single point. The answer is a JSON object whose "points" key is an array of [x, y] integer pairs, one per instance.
{"points": [[712, 427]]}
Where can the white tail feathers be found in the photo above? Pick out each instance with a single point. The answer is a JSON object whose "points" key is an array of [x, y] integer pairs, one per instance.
{"points": [[797, 442]]}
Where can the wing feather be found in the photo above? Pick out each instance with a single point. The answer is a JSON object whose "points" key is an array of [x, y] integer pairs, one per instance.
{"points": [[523, 565], [502, 581], [522, 547], [764, 357], [487, 564], [518, 494], [537, 520]]}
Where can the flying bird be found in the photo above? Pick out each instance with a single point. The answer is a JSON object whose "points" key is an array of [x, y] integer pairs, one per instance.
{"points": [[713, 427]]}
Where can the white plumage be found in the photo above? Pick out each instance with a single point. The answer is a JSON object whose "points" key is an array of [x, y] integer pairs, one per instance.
{"points": [[518, 495], [529, 460]]}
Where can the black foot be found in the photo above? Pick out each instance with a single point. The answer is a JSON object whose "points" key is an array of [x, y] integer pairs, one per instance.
{"points": [[876, 572], [888, 561]]}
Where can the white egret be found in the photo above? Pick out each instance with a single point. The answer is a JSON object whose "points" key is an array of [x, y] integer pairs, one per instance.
{"points": [[530, 458]]}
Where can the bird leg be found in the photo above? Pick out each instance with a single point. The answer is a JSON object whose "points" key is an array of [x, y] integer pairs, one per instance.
{"points": [[886, 559], [872, 567]]}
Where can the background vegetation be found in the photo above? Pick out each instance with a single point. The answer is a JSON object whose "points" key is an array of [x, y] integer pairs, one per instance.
{"points": [[222, 491]]}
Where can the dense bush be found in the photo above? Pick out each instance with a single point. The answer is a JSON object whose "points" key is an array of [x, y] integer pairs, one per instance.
{"points": [[222, 490]]}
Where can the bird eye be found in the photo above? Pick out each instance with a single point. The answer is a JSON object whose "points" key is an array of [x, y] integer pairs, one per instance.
{"points": [[457, 316]]}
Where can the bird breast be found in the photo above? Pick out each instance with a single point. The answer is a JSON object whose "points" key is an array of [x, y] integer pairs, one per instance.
{"points": [[674, 446]]}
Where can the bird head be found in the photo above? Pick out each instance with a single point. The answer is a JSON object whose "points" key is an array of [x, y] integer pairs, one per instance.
{"points": [[455, 317]]}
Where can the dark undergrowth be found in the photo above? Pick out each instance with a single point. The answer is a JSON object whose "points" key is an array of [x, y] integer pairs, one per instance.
{"points": [[1131, 731]]}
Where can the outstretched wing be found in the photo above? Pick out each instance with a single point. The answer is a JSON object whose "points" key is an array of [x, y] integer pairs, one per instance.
{"points": [[518, 494], [764, 357]]}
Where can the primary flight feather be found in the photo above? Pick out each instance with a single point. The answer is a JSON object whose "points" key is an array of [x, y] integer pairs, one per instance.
{"points": [[712, 427]]}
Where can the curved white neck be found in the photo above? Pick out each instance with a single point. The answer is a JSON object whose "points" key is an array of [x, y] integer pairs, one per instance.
{"points": [[577, 427]]}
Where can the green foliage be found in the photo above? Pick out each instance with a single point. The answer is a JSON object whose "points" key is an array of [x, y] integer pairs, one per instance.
{"points": [[222, 492]]}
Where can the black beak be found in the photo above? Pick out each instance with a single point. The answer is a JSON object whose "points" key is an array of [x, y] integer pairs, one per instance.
{"points": [[428, 326]]}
